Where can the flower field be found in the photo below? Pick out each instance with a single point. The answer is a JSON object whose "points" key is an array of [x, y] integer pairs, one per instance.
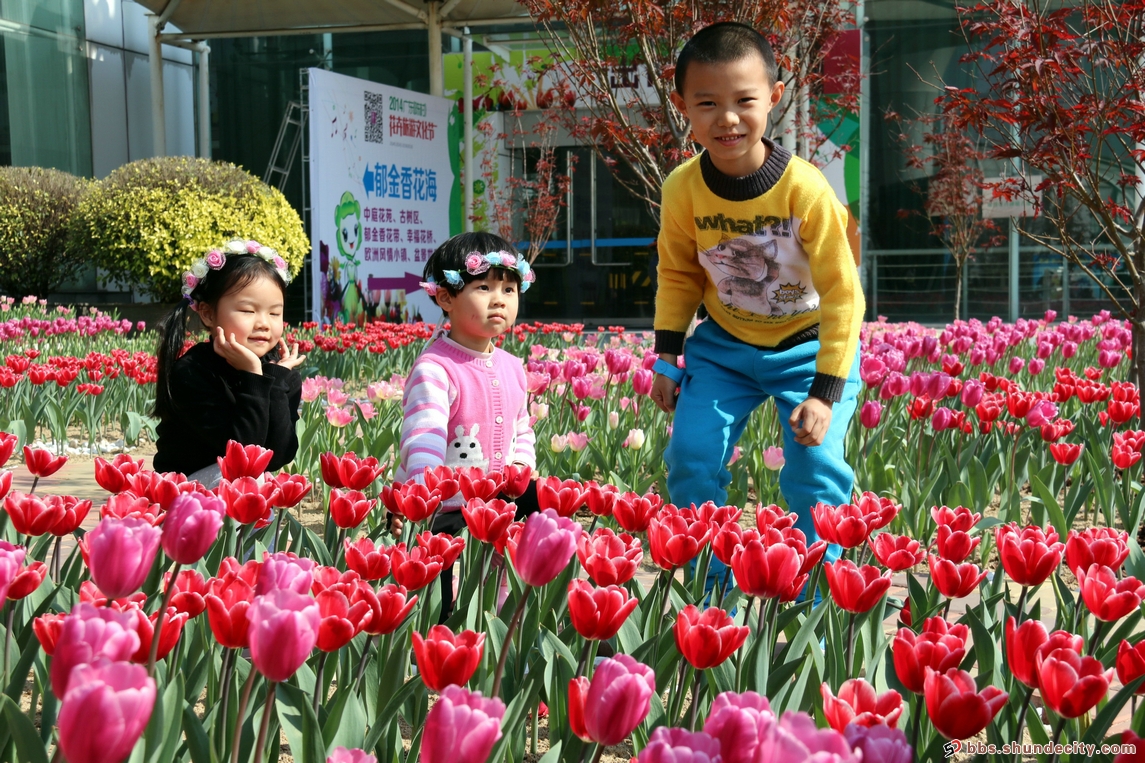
{"points": [[998, 490]]}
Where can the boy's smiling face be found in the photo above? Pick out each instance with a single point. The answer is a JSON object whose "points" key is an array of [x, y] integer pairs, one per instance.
{"points": [[728, 104]]}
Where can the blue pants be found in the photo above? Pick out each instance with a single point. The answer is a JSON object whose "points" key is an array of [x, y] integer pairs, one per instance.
{"points": [[726, 380]]}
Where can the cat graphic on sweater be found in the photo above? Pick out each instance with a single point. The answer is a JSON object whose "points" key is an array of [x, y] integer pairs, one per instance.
{"points": [[465, 449], [751, 269]]}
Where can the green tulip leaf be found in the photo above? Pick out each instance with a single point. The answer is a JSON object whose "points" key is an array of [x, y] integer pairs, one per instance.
{"points": [[29, 746], [300, 724]]}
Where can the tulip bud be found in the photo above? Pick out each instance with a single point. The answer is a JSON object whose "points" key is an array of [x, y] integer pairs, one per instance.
{"points": [[121, 553], [871, 413], [191, 526], [105, 711], [283, 631]]}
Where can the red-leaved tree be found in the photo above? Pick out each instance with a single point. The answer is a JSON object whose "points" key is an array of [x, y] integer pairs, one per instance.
{"points": [[620, 59], [1061, 101]]}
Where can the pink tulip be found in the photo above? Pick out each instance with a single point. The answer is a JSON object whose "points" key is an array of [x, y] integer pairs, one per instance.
{"points": [[462, 727], [871, 413], [105, 711], [739, 722], [544, 547], [617, 699], [120, 554], [284, 571], [11, 560], [674, 745], [342, 755], [191, 526], [1041, 413], [1016, 366], [972, 392], [796, 739], [88, 634], [642, 382], [773, 458], [283, 630]]}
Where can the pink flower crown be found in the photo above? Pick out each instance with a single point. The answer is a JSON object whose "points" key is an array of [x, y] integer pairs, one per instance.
{"points": [[216, 258], [477, 263]]}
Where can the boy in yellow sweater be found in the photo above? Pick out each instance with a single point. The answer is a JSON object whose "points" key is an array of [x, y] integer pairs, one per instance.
{"points": [[759, 237]]}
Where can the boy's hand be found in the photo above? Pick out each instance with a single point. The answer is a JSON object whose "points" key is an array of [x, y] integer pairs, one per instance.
{"points": [[664, 393], [237, 355], [810, 420]]}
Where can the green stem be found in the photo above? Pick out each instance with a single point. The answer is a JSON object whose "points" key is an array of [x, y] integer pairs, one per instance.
{"points": [[158, 631], [228, 669], [8, 639], [318, 692], [508, 638], [1022, 720], [599, 753], [1021, 602], [850, 644], [915, 722], [267, 710], [362, 665], [243, 700], [1057, 737], [697, 695], [1095, 638]]}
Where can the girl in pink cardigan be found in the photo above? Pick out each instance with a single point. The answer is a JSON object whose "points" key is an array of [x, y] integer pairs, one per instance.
{"points": [[465, 401]]}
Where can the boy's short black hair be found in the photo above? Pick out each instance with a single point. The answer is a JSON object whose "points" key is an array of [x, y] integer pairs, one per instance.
{"points": [[451, 256], [723, 43]]}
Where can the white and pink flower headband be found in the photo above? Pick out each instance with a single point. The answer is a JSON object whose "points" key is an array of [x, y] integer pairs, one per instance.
{"points": [[216, 258], [477, 263]]}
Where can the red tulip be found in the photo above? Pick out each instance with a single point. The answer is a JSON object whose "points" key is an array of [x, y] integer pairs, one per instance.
{"points": [[27, 581], [41, 462], [228, 605], [765, 571], [718, 516], [617, 699], [844, 525], [75, 512], [955, 545], [349, 509], [634, 512], [1070, 684], [32, 514], [127, 504], [414, 569], [369, 561], [1131, 663], [726, 541], [341, 620], [896, 552], [47, 629], [190, 590], [475, 483], [348, 471], [445, 659], [292, 488], [958, 518], [112, 476], [598, 613], [158, 487], [488, 521], [564, 497], [707, 638], [516, 479], [954, 581], [859, 704], [544, 547], [956, 707], [940, 646], [5, 482], [1096, 545], [1066, 453], [244, 460], [1108, 598], [448, 547], [104, 712], [7, 445], [1022, 645], [856, 589], [601, 499], [390, 605], [412, 500], [283, 631], [333, 579], [90, 594], [676, 537], [1129, 740], [144, 625], [248, 501], [1029, 555], [608, 558], [442, 481]]}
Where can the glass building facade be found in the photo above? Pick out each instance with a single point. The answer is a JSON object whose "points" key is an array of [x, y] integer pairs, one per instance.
{"points": [[74, 95]]}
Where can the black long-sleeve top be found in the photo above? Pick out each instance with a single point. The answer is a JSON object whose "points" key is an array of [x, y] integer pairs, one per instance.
{"points": [[215, 402]]}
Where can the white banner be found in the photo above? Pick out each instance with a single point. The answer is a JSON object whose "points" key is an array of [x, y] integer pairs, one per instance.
{"points": [[381, 182]]}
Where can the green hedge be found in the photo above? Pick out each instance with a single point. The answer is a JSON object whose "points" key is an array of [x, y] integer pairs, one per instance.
{"points": [[149, 220], [36, 206]]}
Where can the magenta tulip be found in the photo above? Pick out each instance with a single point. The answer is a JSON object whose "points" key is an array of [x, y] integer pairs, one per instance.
{"points": [[673, 745], [739, 721], [283, 631], [871, 413], [11, 560], [88, 634], [617, 699], [284, 571], [105, 711], [120, 554], [544, 547], [342, 755], [462, 727], [191, 526]]}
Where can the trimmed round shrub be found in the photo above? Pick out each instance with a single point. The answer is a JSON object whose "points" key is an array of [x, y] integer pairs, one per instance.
{"points": [[35, 207], [148, 221]]}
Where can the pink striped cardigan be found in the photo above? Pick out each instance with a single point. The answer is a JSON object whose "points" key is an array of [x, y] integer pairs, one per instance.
{"points": [[464, 408]]}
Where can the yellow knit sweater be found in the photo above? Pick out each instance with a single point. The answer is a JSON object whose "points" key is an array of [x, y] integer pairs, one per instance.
{"points": [[767, 255]]}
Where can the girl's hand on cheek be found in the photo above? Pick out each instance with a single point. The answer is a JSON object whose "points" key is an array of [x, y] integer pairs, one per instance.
{"points": [[289, 358], [236, 354]]}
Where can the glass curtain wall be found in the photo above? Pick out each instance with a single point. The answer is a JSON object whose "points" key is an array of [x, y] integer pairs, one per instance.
{"points": [[44, 114]]}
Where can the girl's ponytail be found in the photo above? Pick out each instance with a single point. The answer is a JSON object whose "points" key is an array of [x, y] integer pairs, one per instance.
{"points": [[172, 334]]}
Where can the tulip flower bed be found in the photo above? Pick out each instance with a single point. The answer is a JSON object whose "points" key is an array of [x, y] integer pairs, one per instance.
{"points": [[996, 468]]}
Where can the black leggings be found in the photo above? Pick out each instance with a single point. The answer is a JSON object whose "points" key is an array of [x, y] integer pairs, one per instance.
{"points": [[452, 523]]}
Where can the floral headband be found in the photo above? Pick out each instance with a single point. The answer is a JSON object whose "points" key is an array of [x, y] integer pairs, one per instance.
{"points": [[216, 258], [477, 263]]}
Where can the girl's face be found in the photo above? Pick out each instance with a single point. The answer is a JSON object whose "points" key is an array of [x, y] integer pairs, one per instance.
{"points": [[481, 311], [253, 314]]}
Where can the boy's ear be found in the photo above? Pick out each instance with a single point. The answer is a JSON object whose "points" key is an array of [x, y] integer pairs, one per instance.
{"points": [[678, 101], [777, 91]]}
